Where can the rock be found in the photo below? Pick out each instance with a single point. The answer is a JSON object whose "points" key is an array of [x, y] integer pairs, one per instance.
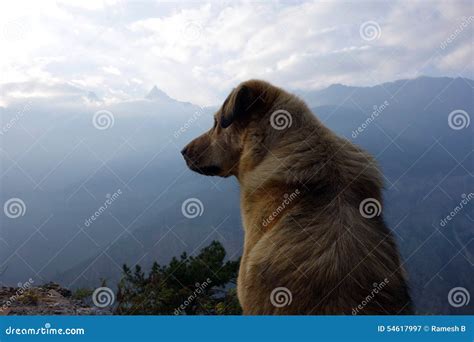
{"points": [[47, 299], [56, 287]]}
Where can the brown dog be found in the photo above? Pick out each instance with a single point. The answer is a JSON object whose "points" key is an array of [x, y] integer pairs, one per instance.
{"points": [[314, 240]]}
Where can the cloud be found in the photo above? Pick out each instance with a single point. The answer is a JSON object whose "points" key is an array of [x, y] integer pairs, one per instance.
{"points": [[111, 70], [198, 51]]}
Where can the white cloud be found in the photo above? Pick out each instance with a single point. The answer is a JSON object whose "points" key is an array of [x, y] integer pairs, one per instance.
{"points": [[460, 57], [198, 51], [112, 70]]}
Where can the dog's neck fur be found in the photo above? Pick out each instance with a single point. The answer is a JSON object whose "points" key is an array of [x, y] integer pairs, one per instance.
{"points": [[272, 166]]}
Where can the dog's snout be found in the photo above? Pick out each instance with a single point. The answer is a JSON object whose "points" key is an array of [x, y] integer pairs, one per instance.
{"points": [[184, 150]]}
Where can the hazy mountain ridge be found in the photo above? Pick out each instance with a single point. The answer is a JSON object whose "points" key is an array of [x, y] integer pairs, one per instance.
{"points": [[141, 155]]}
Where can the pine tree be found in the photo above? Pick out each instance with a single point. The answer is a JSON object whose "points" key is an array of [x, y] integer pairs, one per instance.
{"points": [[199, 285]]}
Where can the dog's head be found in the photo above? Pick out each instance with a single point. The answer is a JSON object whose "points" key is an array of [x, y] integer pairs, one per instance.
{"points": [[218, 152]]}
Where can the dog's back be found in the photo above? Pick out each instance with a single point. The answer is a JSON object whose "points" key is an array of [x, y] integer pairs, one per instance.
{"points": [[327, 249]]}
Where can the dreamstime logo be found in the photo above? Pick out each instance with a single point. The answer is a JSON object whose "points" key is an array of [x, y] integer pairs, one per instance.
{"points": [[281, 119], [103, 119], [458, 119], [47, 329], [370, 30], [458, 296], [281, 297], [14, 208], [103, 296], [370, 207], [15, 29], [192, 31], [192, 208]]}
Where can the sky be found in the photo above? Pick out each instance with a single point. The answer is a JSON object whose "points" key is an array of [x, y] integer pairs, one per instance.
{"points": [[197, 51]]}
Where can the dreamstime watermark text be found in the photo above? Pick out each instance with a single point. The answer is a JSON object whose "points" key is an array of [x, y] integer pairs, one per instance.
{"points": [[107, 204], [461, 27], [196, 115], [288, 198], [377, 110], [377, 287], [199, 289], [14, 120], [46, 330], [22, 289], [462, 204]]}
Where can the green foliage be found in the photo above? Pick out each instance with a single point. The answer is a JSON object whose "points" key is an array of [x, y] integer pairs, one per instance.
{"points": [[82, 293], [229, 305], [201, 285]]}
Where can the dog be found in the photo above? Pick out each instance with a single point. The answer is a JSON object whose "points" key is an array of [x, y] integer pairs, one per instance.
{"points": [[315, 241]]}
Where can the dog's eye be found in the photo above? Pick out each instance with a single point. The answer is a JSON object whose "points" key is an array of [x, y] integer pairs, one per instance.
{"points": [[215, 123]]}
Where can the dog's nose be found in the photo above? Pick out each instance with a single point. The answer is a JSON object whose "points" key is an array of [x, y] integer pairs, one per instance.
{"points": [[184, 150]]}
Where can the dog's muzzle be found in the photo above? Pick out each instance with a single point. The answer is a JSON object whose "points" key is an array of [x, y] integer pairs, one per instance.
{"points": [[210, 170]]}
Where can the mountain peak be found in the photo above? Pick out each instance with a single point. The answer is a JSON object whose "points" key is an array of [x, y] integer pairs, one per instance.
{"points": [[337, 86], [91, 96], [157, 94]]}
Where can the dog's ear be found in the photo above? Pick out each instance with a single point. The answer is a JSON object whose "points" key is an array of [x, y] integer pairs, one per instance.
{"points": [[238, 104]]}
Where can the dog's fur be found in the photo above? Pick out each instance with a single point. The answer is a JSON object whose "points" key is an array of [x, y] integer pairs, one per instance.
{"points": [[315, 242]]}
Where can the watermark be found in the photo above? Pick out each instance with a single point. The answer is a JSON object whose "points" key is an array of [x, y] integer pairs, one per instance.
{"points": [[13, 121], [377, 110], [464, 23], [281, 119], [22, 288], [14, 208], [192, 208], [465, 200], [16, 29], [196, 115], [283, 205], [459, 296], [370, 207], [370, 30], [107, 203], [458, 119], [377, 287], [103, 297], [192, 31], [280, 297], [103, 119], [199, 289], [46, 330]]}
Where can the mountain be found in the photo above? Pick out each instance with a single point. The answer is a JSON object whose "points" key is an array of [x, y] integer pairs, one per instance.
{"points": [[157, 94], [409, 89], [92, 97], [64, 169]]}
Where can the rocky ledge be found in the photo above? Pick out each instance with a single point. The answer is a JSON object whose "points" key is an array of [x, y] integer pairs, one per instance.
{"points": [[48, 299]]}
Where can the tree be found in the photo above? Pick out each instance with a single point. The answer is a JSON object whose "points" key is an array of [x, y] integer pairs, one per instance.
{"points": [[199, 285]]}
